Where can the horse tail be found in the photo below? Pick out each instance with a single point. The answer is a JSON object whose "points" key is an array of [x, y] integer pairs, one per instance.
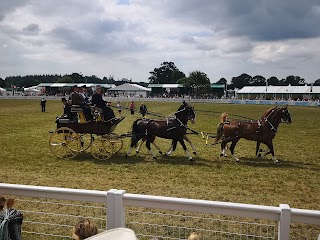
{"points": [[223, 119], [219, 132]]}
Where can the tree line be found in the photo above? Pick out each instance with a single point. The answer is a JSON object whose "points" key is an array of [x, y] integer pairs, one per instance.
{"points": [[166, 73]]}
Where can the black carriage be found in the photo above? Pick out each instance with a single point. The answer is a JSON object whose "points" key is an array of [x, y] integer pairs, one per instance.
{"points": [[75, 135]]}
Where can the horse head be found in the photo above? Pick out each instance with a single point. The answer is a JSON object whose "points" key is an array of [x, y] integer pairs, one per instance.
{"points": [[285, 115], [190, 113]]}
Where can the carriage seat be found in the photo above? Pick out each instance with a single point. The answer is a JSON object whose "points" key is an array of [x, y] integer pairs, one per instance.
{"points": [[76, 108], [97, 113]]}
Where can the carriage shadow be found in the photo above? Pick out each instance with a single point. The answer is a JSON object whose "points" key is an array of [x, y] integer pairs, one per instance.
{"points": [[141, 158]]}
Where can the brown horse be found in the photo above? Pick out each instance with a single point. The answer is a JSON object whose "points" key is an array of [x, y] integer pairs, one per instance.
{"points": [[261, 131], [171, 128]]}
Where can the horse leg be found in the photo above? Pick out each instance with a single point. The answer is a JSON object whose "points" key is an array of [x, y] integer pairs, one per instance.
{"points": [[148, 145], [142, 141], [133, 143], [188, 140], [233, 145], [172, 147], [157, 147], [224, 147], [270, 146], [185, 149], [258, 154]]}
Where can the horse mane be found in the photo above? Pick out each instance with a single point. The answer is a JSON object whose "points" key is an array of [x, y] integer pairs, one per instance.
{"points": [[223, 117], [267, 112]]}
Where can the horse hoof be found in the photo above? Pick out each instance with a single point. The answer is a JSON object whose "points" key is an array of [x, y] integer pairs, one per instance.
{"points": [[191, 160], [275, 160], [260, 150], [137, 151], [237, 159], [195, 153], [155, 158], [160, 152], [126, 156], [221, 155], [259, 155]]}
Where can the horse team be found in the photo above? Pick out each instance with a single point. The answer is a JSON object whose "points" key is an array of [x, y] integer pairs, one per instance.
{"points": [[262, 130]]}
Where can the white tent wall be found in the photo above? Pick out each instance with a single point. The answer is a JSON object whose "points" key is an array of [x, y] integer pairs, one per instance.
{"points": [[279, 92]]}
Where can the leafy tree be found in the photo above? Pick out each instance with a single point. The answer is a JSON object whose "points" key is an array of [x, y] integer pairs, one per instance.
{"points": [[77, 78], [241, 81], [316, 82], [274, 81], [65, 79], [294, 80], [258, 80], [199, 81], [222, 81], [2, 83], [167, 73]]}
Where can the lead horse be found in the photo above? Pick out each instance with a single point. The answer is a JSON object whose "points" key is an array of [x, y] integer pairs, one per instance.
{"points": [[171, 128], [262, 130]]}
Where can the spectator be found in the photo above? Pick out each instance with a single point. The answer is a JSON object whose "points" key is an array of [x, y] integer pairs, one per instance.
{"points": [[43, 104], [119, 108], [84, 229], [10, 220], [143, 109], [132, 108]]}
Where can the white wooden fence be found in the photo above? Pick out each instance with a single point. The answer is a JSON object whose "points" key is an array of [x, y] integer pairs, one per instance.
{"points": [[117, 201]]}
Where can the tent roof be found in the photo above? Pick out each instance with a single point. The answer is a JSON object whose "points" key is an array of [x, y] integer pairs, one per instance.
{"points": [[2, 89], [72, 84], [165, 86], [214, 85], [130, 87], [277, 89]]}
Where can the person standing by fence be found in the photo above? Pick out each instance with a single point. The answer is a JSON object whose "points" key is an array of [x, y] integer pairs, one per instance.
{"points": [[43, 104], [132, 108], [143, 109], [119, 108], [10, 220]]}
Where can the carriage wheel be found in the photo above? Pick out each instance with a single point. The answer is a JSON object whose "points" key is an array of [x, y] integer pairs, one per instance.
{"points": [[64, 143], [116, 142], [85, 141], [101, 148]]}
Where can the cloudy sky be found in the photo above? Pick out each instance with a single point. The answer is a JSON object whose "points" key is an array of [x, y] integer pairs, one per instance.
{"points": [[129, 38]]}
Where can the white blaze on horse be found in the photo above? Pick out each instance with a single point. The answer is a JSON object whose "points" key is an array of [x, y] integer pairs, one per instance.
{"points": [[262, 130], [171, 128]]}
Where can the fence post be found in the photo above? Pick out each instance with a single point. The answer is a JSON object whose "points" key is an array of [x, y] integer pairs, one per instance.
{"points": [[110, 209], [119, 214], [284, 223]]}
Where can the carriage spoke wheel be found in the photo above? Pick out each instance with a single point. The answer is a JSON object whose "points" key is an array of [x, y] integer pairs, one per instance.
{"points": [[85, 141], [116, 142], [101, 148], [64, 143]]}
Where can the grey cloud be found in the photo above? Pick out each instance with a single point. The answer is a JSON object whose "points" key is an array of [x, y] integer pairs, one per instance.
{"points": [[7, 6], [100, 39], [31, 29], [261, 20]]}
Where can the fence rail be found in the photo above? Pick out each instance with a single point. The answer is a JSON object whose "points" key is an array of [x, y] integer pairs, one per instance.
{"points": [[117, 202], [192, 100]]}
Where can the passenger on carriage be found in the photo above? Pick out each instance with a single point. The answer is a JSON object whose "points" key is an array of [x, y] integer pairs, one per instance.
{"points": [[66, 108], [78, 98], [97, 101]]}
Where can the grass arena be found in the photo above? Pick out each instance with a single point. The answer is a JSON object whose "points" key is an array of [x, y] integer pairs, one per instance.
{"points": [[26, 158]]}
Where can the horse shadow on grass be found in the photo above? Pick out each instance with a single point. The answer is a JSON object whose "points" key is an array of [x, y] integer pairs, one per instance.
{"points": [[268, 163]]}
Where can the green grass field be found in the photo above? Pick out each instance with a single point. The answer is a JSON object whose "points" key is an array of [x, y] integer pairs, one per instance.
{"points": [[26, 159]]}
